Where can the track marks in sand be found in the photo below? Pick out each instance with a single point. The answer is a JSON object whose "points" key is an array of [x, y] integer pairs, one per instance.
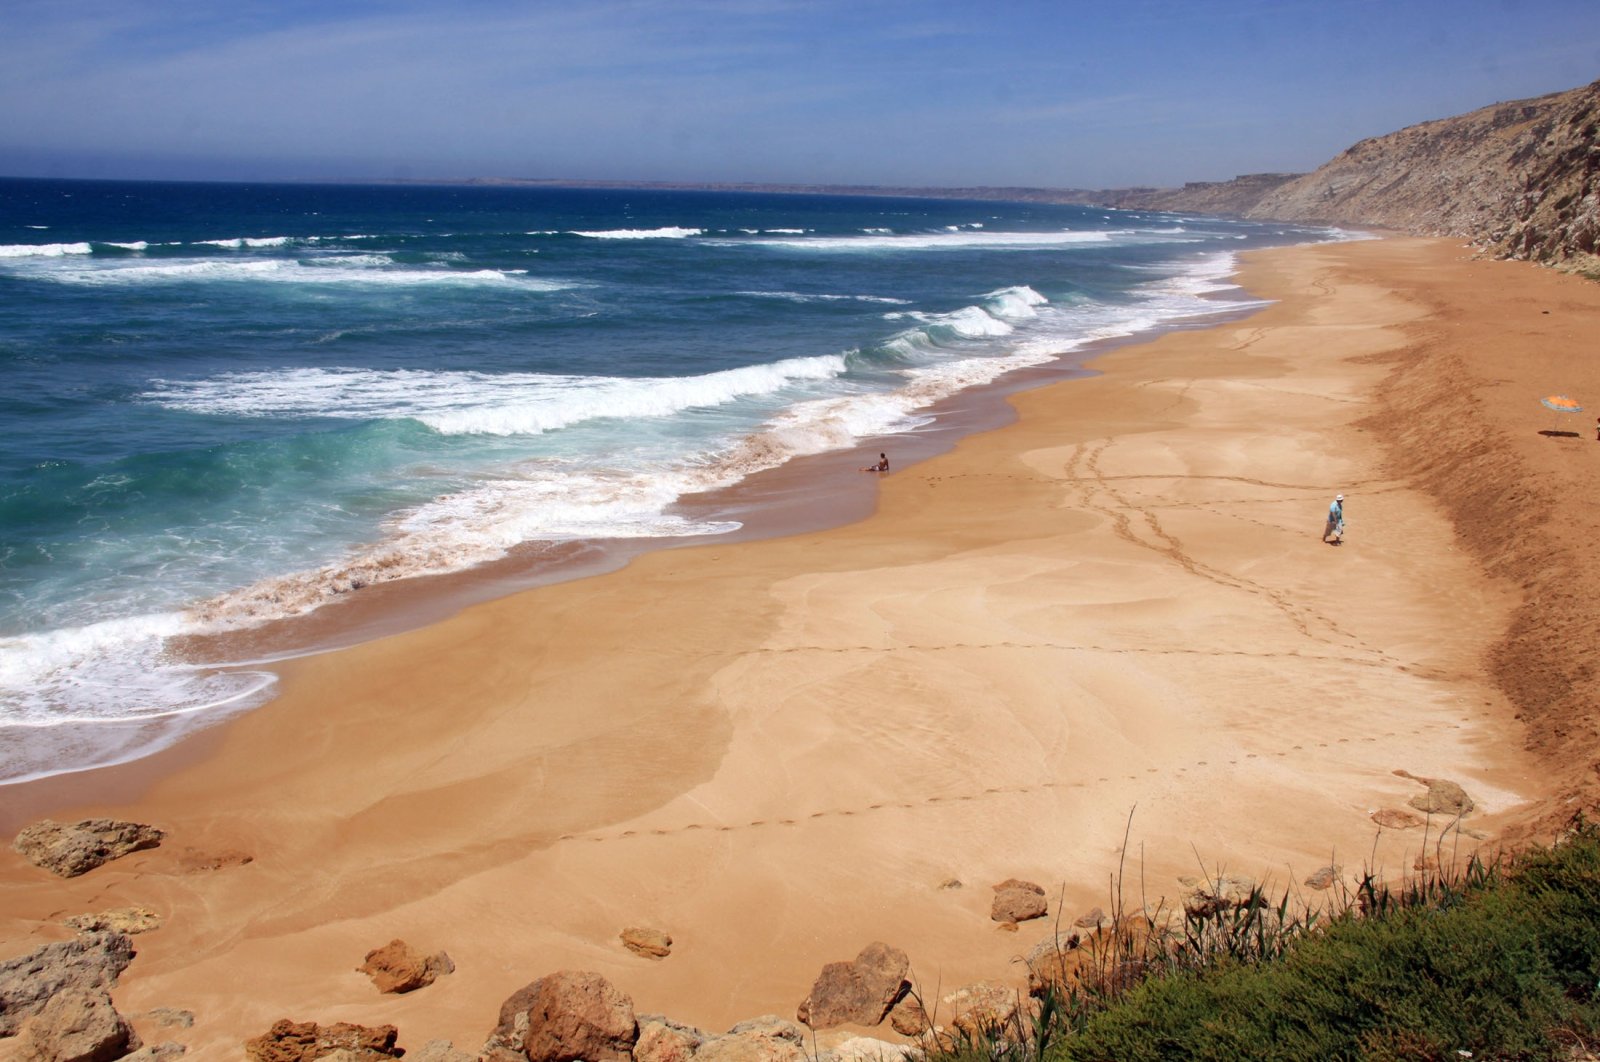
{"points": [[950, 801], [1139, 525]]}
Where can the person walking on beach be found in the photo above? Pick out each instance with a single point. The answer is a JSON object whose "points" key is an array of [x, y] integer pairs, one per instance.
{"points": [[1335, 524], [881, 466]]}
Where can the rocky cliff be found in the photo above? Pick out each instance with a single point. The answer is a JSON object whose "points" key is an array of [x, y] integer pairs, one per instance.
{"points": [[1520, 179]]}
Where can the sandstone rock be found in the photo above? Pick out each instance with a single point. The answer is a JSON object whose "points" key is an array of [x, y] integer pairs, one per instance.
{"points": [[664, 1041], [70, 850], [86, 962], [771, 1026], [651, 943], [859, 992], [1018, 901], [1217, 895], [440, 1051], [567, 1015], [908, 1018], [162, 1052], [1094, 918], [397, 967], [951, 883], [866, 1049], [749, 1047], [117, 920], [78, 1025], [981, 1009], [1395, 819], [1443, 797], [292, 1041], [1324, 878]]}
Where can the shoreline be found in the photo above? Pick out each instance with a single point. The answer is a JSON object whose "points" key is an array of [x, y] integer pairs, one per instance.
{"points": [[779, 750], [810, 493]]}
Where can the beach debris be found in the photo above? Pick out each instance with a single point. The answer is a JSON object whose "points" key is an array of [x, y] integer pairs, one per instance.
{"points": [[981, 1009], [1325, 877], [82, 964], [70, 850], [651, 943], [397, 967], [117, 920], [78, 1025], [193, 860], [1018, 901], [1443, 797], [860, 992], [1396, 819], [664, 1040], [565, 1015], [302, 1041], [1216, 895]]}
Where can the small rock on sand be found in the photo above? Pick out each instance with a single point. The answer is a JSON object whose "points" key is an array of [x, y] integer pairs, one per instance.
{"points": [[1396, 819]]}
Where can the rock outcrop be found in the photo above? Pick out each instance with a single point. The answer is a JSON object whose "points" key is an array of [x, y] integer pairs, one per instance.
{"points": [[567, 1015], [70, 850], [859, 992], [116, 920], [650, 943], [1018, 901], [303, 1041], [397, 967], [78, 1025], [88, 963]]}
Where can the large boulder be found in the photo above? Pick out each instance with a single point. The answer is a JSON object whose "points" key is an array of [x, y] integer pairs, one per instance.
{"points": [[859, 992], [70, 850], [1018, 901], [981, 1010], [664, 1040], [563, 1017], [90, 961], [79, 1025], [1209, 897], [397, 967], [303, 1041], [1443, 797]]}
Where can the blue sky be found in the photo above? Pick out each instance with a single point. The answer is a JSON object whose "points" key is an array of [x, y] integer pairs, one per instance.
{"points": [[935, 93]]}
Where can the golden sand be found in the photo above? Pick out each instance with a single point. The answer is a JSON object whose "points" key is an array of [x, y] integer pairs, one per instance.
{"points": [[1113, 615]]}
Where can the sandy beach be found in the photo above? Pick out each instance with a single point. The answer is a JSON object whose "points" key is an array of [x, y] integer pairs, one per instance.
{"points": [[1112, 616]]}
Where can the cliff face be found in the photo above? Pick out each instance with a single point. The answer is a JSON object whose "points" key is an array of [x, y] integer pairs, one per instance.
{"points": [[1521, 178]]}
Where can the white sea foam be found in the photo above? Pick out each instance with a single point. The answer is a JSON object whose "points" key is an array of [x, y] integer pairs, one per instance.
{"points": [[238, 242], [801, 296], [114, 272], [471, 403], [43, 250], [877, 240], [136, 245], [669, 232]]}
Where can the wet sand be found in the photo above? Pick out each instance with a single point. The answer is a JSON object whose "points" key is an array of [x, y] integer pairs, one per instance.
{"points": [[1116, 608]]}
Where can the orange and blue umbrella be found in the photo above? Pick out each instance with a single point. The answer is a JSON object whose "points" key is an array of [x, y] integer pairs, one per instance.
{"points": [[1561, 404]]}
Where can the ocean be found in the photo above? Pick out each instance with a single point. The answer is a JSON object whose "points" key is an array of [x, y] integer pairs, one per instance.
{"points": [[228, 404]]}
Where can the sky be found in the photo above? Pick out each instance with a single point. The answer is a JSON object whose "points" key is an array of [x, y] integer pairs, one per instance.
{"points": [[930, 93]]}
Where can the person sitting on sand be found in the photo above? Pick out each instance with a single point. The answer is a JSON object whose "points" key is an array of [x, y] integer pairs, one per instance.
{"points": [[1335, 524], [881, 466]]}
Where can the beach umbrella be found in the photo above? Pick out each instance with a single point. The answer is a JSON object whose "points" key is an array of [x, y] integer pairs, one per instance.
{"points": [[1561, 404]]}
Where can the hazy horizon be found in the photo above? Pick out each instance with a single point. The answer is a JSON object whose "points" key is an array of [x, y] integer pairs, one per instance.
{"points": [[927, 95]]}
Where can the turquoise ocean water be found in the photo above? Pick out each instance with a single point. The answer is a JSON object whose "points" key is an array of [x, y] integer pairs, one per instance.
{"points": [[227, 404]]}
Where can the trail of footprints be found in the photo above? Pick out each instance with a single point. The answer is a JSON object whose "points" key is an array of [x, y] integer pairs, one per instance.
{"points": [[988, 793]]}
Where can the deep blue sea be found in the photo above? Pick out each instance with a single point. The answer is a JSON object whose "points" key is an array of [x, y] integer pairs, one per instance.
{"points": [[224, 404]]}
